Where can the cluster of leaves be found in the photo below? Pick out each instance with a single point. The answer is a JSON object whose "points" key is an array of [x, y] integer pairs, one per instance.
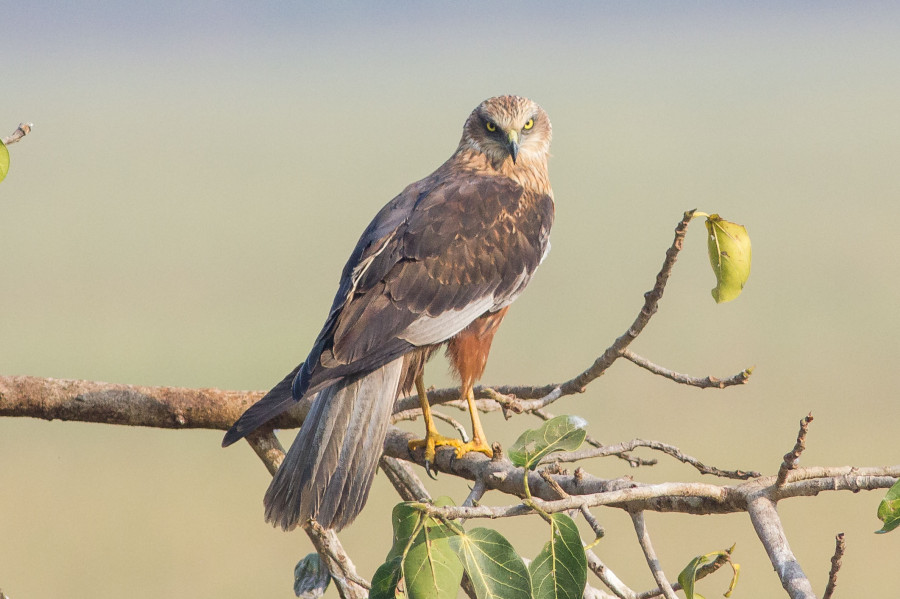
{"points": [[429, 555]]}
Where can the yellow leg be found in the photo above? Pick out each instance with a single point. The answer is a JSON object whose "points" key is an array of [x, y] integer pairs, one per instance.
{"points": [[479, 440], [433, 438]]}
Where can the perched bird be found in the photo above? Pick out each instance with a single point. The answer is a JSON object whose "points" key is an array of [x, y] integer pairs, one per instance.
{"points": [[438, 265]]}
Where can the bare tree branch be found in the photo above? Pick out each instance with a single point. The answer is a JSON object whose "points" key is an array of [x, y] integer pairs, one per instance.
{"points": [[349, 584], [792, 457], [640, 528], [268, 448], [706, 382], [839, 549], [607, 576], [771, 533], [633, 461], [619, 448]]}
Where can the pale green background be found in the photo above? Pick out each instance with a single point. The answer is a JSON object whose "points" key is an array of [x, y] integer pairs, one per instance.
{"points": [[199, 172]]}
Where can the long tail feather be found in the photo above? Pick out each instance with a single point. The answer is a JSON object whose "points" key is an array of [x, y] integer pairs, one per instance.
{"points": [[273, 403], [327, 473]]}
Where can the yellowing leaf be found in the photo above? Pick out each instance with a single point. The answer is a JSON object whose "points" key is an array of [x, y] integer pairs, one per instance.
{"points": [[729, 255], [4, 161]]}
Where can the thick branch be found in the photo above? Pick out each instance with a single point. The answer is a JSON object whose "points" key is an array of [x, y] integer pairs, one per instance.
{"points": [[771, 533]]}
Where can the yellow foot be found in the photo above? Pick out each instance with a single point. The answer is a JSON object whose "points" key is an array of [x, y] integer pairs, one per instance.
{"points": [[476, 445], [434, 440]]}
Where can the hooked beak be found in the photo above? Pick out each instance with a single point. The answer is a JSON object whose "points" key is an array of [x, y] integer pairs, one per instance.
{"points": [[513, 145]]}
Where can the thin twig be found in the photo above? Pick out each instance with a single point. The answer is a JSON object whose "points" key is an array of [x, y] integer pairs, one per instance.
{"points": [[792, 457], [599, 532], [839, 549], [633, 461], [608, 577], [640, 528], [706, 382], [606, 450], [23, 130]]}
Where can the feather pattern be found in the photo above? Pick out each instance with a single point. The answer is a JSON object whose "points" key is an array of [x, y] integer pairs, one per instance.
{"points": [[451, 248]]}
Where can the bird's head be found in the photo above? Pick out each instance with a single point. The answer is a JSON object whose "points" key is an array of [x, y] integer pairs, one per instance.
{"points": [[508, 128]]}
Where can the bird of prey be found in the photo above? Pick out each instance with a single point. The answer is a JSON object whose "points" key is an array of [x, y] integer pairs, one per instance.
{"points": [[438, 266]]}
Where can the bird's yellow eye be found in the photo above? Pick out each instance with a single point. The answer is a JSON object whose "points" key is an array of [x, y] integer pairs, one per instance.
{"points": [[528, 125], [491, 126]]}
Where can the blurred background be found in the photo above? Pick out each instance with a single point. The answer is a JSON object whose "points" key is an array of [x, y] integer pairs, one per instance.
{"points": [[199, 171]]}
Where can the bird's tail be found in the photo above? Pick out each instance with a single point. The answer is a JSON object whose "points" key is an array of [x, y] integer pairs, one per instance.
{"points": [[328, 470]]}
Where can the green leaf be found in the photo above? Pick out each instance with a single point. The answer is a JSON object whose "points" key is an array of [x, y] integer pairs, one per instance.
{"points": [[889, 509], [560, 570], [563, 433], [729, 255], [386, 579], [405, 520], [688, 576], [311, 577], [421, 556], [4, 161], [493, 566], [431, 568]]}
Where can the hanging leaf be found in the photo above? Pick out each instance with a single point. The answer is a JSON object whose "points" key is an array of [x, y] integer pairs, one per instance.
{"points": [[431, 568], [421, 556], [560, 570], [386, 579], [563, 433], [729, 255], [4, 161], [688, 576], [311, 577], [889, 509], [493, 566]]}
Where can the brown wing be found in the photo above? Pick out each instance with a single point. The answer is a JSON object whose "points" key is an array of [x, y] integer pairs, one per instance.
{"points": [[434, 259]]}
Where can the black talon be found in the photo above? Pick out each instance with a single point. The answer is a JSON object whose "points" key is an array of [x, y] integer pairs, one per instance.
{"points": [[432, 474]]}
